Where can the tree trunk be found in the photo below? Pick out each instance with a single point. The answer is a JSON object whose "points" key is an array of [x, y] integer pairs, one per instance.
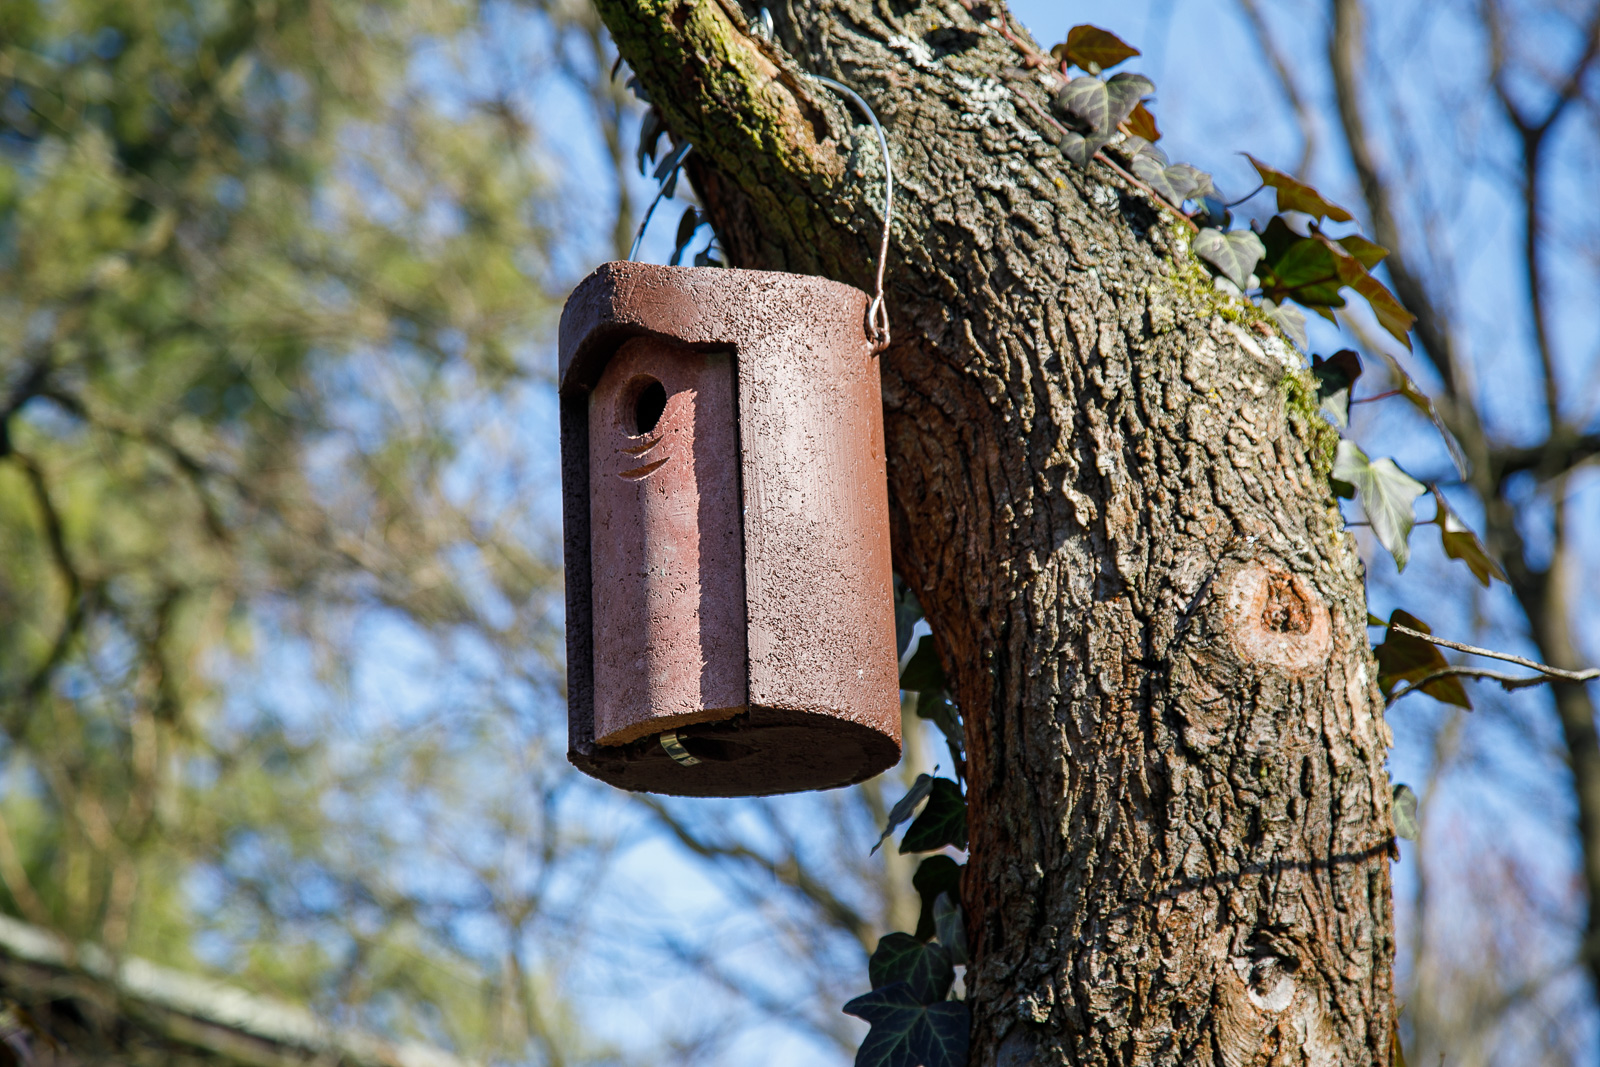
{"points": [[1109, 487]]}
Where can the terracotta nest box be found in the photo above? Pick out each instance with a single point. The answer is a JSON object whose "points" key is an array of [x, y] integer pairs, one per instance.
{"points": [[730, 616]]}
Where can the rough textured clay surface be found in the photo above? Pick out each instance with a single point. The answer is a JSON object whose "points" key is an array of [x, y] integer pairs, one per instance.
{"points": [[823, 705], [668, 566]]}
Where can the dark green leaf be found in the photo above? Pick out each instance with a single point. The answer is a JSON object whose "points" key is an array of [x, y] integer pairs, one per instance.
{"points": [[907, 613], [1307, 271], [1387, 496], [1234, 254], [906, 805], [923, 965], [1405, 813], [1093, 49], [951, 926], [923, 673], [1461, 543], [1335, 376], [650, 131], [935, 875], [938, 709], [943, 822], [687, 225], [1277, 238], [1213, 213], [1295, 195], [1403, 658], [907, 1033]]}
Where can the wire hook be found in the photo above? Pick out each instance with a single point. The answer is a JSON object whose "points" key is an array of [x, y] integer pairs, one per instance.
{"points": [[877, 311]]}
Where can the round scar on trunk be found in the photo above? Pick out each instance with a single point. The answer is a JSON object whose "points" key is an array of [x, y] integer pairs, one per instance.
{"points": [[1277, 620]]}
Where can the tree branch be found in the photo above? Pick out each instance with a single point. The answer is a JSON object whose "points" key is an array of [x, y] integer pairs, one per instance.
{"points": [[1552, 674], [1433, 327], [1291, 88]]}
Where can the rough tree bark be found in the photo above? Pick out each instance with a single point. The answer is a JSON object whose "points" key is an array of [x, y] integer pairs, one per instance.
{"points": [[1109, 490]]}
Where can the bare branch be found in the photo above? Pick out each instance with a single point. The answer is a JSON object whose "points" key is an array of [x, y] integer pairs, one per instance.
{"points": [[1291, 88], [788, 872], [1552, 674], [1433, 327]]}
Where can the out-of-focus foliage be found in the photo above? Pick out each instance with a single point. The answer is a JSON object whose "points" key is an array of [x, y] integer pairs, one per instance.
{"points": [[267, 298]]}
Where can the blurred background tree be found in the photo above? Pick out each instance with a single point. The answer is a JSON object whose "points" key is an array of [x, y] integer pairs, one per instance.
{"points": [[279, 586]]}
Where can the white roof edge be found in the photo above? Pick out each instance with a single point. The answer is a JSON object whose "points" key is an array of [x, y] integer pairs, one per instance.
{"points": [[215, 1002]]}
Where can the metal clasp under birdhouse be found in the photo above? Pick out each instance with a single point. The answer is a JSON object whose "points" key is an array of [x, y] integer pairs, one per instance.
{"points": [[730, 620]]}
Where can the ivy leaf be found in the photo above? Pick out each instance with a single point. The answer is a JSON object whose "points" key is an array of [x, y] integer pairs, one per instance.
{"points": [[1085, 102], [938, 709], [1335, 377], [1405, 813], [1392, 315], [904, 807], [907, 1033], [650, 131], [1141, 123], [1387, 496], [1291, 320], [1424, 403], [907, 613], [1125, 91], [1096, 107], [687, 225], [1367, 253], [1093, 49], [1079, 149], [924, 966], [936, 876], [669, 162], [1296, 195], [923, 673], [1213, 213], [951, 927], [1234, 254], [1177, 183], [1403, 658], [1461, 543], [943, 822], [1304, 269]]}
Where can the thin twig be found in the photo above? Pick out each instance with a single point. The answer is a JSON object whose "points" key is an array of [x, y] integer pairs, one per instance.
{"points": [[1508, 682], [1551, 673]]}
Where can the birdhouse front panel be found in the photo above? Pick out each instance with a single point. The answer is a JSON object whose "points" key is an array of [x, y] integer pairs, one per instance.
{"points": [[669, 594]]}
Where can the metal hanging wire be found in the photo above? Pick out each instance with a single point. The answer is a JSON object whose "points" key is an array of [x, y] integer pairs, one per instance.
{"points": [[877, 310]]}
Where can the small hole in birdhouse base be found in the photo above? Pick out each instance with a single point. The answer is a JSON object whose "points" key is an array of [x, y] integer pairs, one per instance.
{"points": [[647, 408]]}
